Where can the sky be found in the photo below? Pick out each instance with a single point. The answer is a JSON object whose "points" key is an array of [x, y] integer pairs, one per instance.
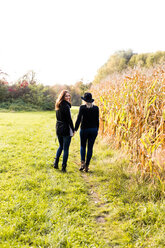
{"points": [[64, 41]]}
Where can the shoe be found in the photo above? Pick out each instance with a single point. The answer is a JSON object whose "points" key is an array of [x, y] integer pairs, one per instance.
{"points": [[63, 168], [86, 168], [82, 166], [55, 167], [56, 163]]}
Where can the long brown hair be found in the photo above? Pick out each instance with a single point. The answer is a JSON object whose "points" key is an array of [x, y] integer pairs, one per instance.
{"points": [[60, 98]]}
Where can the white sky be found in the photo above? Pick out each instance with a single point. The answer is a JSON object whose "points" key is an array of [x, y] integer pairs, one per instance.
{"points": [[66, 40]]}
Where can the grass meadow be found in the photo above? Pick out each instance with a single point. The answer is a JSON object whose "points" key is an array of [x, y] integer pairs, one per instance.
{"points": [[43, 207]]}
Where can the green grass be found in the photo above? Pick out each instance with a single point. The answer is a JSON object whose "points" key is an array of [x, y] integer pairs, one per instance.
{"points": [[43, 207]]}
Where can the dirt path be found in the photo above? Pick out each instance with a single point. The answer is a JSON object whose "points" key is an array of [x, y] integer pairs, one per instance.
{"points": [[100, 206]]}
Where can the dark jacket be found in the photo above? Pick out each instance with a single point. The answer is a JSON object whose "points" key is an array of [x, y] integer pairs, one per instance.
{"points": [[88, 117], [64, 121]]}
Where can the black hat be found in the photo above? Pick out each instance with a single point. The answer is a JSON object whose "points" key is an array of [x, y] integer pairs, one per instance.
{"points": [[87, 97]]}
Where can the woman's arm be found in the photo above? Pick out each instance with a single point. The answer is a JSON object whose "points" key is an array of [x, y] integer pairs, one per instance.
{"points": [[98, 118], [78, 119], [68, 117]]}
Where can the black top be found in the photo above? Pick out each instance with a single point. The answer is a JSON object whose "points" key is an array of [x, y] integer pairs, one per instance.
{"points": [[88, 117], [64, 120]]}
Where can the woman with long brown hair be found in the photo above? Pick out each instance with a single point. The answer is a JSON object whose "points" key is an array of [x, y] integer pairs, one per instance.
{"points": [[64, 127]]}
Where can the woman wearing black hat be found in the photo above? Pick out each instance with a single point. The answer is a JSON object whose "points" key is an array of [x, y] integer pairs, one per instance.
{"points": [[88, 116]]}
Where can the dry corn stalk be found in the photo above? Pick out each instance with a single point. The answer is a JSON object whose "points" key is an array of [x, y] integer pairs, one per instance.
{"points": [[132, 112]]}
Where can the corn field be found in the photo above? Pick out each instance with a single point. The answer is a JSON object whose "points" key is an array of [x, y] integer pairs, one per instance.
{"points": [[132, 114]]}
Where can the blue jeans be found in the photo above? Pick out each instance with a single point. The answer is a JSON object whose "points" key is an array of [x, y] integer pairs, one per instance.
{"points": [[64, 143], [87, 135]]}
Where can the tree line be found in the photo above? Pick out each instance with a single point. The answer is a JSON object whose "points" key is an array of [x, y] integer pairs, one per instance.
{"points": [[28, 94], [122, 60]]}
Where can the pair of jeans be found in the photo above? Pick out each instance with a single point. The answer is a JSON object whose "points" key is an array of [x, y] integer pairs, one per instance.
{"points": [[87, 135], [64, 143]]}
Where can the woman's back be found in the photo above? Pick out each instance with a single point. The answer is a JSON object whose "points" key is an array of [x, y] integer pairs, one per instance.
{"points": [[88, 117]]}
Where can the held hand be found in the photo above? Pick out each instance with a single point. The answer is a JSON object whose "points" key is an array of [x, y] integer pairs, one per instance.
{"points": [[74, 133]]}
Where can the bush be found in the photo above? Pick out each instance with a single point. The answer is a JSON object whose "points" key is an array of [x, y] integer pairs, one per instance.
{"points": [[18, 105]]}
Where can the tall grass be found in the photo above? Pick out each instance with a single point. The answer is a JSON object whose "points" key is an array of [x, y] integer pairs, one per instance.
{"points": [[132, 114]]}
